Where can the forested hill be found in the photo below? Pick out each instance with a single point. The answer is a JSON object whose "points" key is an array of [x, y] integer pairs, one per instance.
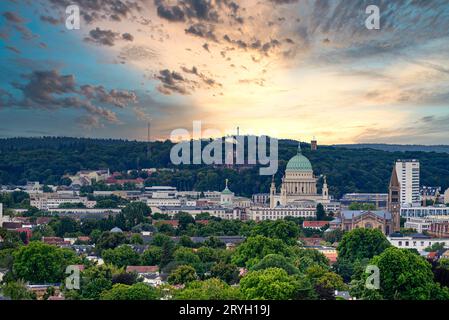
{"points": [[397, 147], [349, 170]]}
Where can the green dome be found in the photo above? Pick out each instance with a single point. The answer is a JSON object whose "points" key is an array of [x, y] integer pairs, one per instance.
{"points": [[226, 191], [299, 162]]}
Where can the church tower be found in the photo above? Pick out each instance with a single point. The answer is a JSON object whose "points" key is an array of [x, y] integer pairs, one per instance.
{"points": [[283, 192], [394, 204], [272, 192], [325, 189]]}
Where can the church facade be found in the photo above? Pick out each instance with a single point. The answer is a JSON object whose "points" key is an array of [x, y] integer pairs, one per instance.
{"points": [[298, 184]]}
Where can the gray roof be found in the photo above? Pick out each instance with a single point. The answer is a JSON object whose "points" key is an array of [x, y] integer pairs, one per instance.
{"points": [[348, 214]]}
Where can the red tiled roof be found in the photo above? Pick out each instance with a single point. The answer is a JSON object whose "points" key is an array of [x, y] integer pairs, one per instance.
{"points": [[314, 224], [432, 255], [312, 241], [202, 221], [142, 269], [43, 220], [331, 256]]}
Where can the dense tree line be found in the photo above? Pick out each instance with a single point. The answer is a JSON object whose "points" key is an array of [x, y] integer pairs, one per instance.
{"points": [[48, 159]]}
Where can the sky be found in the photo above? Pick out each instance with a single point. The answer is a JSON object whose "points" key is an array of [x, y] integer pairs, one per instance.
{"points": [[286, 68]]}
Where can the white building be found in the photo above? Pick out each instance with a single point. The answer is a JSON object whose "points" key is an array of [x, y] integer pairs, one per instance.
{"points": [[161, 192], [408, 176], [446, 196], [408, 211], [193, 211], [303, 210], [158, 202], [418, 242], [419, 224], [46, 201]]}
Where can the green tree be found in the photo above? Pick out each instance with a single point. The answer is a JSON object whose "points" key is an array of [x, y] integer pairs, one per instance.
{"points": [[182, 274], [110, 240], [276, 261], [151, 256], [94, 281], [210, 289], [184, 219], [269, 284], [284, 230], [305, 258], [362, 206], [16, 290], [227, 272], [121, 256], [256, 248], [42, 263], [138, 291], [405, 276], [320, 212], [362, 243], [437, 246], [135, 213]]}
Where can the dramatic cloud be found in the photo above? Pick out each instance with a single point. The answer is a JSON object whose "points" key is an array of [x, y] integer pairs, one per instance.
{"points": [[51, 90], [13, 17], [202, 31], [172, 82], [104, 37]]}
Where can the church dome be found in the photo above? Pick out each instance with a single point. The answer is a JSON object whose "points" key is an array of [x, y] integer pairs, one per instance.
{"points": [[299, 162]]}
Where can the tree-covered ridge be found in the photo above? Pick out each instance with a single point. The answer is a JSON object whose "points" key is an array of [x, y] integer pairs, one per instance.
{"points": [[48, 159]]}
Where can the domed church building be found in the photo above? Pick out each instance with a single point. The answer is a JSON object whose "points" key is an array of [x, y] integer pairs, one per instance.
{"points": [[298, 184]]}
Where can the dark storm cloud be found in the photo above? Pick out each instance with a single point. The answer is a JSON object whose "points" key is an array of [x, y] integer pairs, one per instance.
{"points": [[13, 49], [51, 20], [104, 37], [172, 82], [13, 17], [203, 31], [51, 90], [209, 82], [171, 13], [118, 98], [128, 37], [199, 10]]}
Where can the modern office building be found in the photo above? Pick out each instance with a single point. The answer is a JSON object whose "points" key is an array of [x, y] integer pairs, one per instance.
{"points": [[407, 172]]}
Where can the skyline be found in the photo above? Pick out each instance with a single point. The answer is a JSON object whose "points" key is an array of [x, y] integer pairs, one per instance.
{"points": [[311, 69]]}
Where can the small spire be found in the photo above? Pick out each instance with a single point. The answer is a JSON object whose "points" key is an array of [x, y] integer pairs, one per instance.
{"points": [[299, 147], [226, 183]]}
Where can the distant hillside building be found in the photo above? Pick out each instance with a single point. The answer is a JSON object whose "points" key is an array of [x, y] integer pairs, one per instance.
{"points": [[446, 196], [313, 145]]}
